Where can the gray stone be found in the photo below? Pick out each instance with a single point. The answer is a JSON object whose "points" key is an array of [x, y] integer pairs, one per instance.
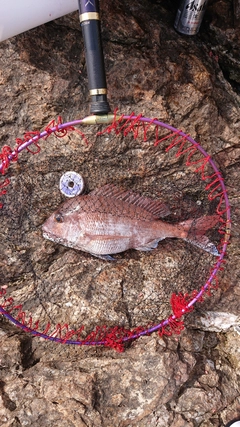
{"points": [[186, 380]]}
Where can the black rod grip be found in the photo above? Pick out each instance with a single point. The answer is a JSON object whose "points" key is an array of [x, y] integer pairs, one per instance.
{"points": [[90, 24]]}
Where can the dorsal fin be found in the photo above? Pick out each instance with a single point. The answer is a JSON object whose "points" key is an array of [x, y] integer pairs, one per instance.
{"points": [[157, 208]]}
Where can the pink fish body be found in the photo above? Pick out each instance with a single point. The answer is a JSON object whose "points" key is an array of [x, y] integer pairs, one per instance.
{"points": [[111, 220]]}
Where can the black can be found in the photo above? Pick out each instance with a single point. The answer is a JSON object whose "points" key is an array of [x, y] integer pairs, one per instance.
{"points": [[189, 16]]}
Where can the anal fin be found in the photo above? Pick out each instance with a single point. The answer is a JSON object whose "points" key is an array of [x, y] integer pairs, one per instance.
{"points": [[105, 257], [149, 246]]}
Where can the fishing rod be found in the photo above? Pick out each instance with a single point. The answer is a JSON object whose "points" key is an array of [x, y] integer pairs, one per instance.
{"points": [[90, 24]]}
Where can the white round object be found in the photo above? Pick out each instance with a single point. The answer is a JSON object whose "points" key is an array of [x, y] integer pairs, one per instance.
{"points": [[234, 424], [71, 184]]}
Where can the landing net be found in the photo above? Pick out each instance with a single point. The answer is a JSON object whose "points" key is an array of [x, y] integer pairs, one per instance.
{"points": [[71, 297]]}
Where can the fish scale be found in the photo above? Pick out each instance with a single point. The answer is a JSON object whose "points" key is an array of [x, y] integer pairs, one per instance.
{"points": [[110, 220]]}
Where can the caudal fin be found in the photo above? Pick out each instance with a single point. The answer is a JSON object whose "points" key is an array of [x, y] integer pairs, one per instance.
{"points": [[195, 230]]}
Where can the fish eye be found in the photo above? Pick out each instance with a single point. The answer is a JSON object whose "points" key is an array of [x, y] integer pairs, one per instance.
{"points": [[58, 217]]}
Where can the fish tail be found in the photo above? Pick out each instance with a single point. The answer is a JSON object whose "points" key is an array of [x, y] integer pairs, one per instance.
{"points": [[194, 232]]}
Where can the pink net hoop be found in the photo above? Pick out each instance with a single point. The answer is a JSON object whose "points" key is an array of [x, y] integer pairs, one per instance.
{"points": [[181, 304]]}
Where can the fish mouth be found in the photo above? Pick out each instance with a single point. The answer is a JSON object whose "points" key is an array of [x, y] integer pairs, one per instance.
{"points": [[48, 234], [51, 237], [58, 240]]}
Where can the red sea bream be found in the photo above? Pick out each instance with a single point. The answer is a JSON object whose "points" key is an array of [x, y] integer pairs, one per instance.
{"points": [[110, 220]]}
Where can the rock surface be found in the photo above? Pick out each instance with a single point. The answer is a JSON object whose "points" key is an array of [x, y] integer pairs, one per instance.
{"points": [[186, 380]]}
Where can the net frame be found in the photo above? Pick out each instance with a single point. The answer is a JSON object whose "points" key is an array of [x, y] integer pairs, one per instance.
{"points": [[116, 337]]}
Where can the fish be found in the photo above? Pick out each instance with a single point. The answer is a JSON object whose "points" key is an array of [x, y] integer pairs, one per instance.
{"points": [[111, 219]]}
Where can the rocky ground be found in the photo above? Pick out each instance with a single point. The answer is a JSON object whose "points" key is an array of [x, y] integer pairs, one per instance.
{"points": [[191, 379]]}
